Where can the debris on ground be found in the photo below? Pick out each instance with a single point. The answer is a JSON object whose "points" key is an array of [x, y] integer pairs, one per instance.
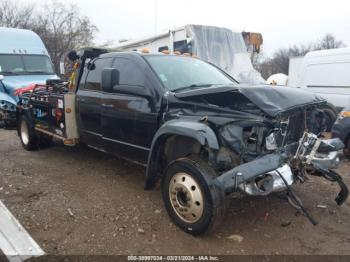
{"points": [[285, 223], [70, 212], [236, 238], [140, 231]]}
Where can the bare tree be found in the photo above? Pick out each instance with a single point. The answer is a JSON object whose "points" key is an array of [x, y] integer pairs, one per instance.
{"points": [[328, 42], [62, 28], [12, 15], [279, 63]]}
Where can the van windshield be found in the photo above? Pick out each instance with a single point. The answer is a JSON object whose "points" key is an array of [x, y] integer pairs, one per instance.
{"points": [[179, 73], [11, 64]]}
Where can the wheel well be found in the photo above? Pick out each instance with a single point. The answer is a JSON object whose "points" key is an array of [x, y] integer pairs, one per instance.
{"points": [[179, 146], [168, 149]]}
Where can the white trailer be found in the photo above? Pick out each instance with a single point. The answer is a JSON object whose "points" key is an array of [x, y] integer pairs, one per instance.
{"points": [[220, 46]]}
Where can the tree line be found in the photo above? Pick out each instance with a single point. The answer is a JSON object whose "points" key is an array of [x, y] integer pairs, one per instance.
{"points": [[279, 62], [61, 27]]}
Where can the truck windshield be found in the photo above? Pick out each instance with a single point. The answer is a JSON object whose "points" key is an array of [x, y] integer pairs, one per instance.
{"points": [[185, 73], [11, 64]]}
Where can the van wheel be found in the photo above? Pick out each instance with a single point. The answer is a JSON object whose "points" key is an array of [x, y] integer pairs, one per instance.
{"points": [[27, 134], [331, 117], [191, 199]]}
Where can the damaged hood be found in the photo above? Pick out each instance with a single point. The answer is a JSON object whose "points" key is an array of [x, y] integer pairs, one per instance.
{"points": [[273, 100]]}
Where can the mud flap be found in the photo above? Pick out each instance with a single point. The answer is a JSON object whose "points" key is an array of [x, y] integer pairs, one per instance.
{"points": [[332, 176]]}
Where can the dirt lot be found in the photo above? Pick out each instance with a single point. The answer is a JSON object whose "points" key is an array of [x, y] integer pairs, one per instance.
{"points": [[80, 201]]}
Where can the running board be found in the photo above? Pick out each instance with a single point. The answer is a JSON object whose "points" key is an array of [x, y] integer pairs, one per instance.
{"points": [[15, 242]]}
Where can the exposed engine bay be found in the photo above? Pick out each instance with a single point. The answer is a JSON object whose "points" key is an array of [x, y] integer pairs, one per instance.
{"points": [[268, 143]]}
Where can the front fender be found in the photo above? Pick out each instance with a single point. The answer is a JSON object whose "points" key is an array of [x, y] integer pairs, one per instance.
{"points": [[198, 131], [7, 98]]}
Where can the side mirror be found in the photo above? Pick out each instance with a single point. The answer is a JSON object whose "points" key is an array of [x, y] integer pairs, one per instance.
{"points": [[1, 77], [110, 78]]}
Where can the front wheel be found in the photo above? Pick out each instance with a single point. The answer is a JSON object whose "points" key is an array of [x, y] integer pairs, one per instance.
{"points": [[27, 134], [191, 199]]}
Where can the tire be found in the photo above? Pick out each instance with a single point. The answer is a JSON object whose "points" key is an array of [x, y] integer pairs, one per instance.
{"points": [[331, 117], [191, 199], [9, 124], [27, 134], [44, 140], [347, 148]]}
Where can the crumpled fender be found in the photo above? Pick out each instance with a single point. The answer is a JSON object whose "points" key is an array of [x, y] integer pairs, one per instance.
{"points": [[187, 128]]}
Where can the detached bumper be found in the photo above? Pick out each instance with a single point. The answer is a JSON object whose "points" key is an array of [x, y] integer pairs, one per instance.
{"points": [[271, 173], [234, 178]]}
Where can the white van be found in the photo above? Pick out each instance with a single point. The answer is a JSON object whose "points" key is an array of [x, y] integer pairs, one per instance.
{"points": [[327, 73]]}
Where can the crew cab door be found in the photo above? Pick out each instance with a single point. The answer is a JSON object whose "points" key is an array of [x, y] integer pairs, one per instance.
{"points": [[88, 102], [129, 120]]}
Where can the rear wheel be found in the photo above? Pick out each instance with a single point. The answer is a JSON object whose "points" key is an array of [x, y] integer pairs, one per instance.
{"points": [[44, 140], [192, 201], [27, 134]]}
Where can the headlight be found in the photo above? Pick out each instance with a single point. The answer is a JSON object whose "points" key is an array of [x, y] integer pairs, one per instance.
{"points": [[270, 142], [4, 105]]}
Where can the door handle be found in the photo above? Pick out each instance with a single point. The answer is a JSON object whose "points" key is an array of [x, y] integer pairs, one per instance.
{"points": [[80, 99], [108, 105]]}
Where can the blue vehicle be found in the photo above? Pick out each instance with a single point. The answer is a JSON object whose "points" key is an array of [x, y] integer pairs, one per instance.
{"points": [[24, 60]]}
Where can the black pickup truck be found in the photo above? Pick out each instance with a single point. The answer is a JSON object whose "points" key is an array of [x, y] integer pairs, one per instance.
{"points": [[201, 135]]}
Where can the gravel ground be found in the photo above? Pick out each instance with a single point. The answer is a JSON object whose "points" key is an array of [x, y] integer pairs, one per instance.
{"points": [[80, 201]]}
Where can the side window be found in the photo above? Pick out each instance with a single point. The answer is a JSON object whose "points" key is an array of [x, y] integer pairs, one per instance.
{"points": [[130, 73], [93, 80], [163, 48], [181, 46]]}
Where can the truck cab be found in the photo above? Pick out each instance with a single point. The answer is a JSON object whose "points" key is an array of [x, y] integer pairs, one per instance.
{"points": [[24, 60], [123, 119]]}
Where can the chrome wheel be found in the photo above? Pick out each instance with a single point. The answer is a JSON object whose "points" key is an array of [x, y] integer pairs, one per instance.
{"points": [[186, 197], [24, 132]]}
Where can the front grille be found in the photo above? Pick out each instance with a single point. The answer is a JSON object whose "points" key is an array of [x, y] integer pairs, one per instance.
{"points": [[295, 127]]}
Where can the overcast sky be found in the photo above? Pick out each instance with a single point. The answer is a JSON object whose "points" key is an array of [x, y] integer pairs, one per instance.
{"points": [[282, 23]]}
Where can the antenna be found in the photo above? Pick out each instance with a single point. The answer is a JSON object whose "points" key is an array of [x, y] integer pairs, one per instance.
{"points": [[155, 16]]}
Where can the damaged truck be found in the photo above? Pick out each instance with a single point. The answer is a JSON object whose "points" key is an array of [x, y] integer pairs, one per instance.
{"points": [[202, 136]]}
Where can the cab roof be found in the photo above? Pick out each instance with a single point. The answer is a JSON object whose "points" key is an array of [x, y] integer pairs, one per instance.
{"points": [[20, 41]]}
